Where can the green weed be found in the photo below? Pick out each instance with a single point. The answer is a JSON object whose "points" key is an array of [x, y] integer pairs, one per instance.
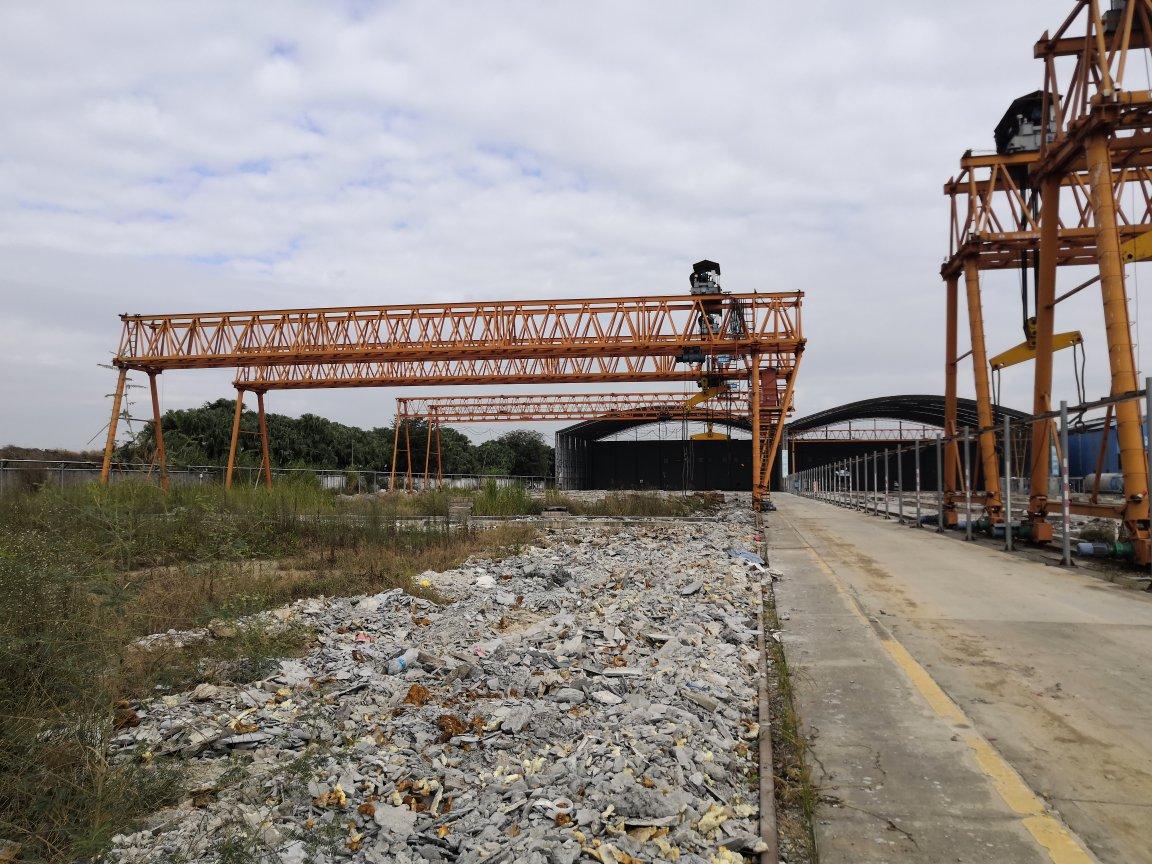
{"points": [[86, 571], [639, 504], [495, 499], [59, 798]]}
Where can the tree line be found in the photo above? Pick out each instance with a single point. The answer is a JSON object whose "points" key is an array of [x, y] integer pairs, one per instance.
{"points": [[201, 436]]}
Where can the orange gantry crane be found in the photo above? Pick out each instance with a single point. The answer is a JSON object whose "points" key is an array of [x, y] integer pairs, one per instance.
{"points": [[485, 408], [514, 370], [707, 337], [717, 405], [1068, 157], [668, 326]]}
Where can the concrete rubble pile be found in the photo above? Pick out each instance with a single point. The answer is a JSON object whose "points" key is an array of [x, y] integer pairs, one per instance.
{"points": [[593, 698]]}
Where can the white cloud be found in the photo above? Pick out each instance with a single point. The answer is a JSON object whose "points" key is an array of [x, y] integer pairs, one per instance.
{"points": [[165, 157]]}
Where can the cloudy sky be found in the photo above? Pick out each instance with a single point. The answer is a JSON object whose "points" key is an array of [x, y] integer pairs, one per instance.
{"points": [[183, 156]]}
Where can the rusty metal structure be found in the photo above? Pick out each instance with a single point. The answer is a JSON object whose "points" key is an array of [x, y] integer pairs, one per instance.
{"points": [[618, 327], [435, 411], [515, 370], [867, 432], [487, 408], [709, 338], [1058, 199]]}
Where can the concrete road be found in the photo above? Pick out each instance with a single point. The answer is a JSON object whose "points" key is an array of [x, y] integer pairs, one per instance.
{"points": [[1050, 669]]}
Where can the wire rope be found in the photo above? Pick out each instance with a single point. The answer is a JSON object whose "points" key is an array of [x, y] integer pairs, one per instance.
{"points": [[1131, 267]]}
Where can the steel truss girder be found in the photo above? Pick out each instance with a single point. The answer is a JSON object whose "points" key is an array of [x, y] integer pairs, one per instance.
{"points": [[618, 327], [516, 370], [701, 338], [772, 377], [903, 434], [485, 408]]}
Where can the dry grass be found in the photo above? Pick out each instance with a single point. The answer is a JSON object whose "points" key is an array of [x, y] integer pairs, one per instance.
{"points": [[638, 504], [1097, 533], [494, 499], [184, 596], [85, 572], [411, 505], [491, 499]]}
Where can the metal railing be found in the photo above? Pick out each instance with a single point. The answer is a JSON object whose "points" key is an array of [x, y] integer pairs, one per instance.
{"points": [[861, 483]]}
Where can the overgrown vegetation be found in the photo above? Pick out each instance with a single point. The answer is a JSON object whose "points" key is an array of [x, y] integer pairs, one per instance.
{"points": [[57, 698], [504, 500], [509, 499], [1097, 532], [12, 451], [626, 504], [797, 794], [201, 436], [86, 571]]}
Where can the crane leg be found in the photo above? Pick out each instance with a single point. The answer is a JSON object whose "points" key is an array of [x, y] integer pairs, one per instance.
{"points": [[1121, 359], [1040, 530], [987, 437], [158, 432], [110, 443], [951, 467], [234, 444]]}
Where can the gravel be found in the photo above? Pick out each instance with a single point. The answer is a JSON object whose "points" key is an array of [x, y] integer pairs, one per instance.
{"points": [[592, 698]]}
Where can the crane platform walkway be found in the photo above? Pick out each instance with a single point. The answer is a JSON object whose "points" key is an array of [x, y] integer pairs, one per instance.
{"points": [[962, 704]]}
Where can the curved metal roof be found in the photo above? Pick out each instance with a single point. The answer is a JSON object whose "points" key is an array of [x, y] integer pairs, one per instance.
{"points": [[920, 408], [915, 408], [594, 430]]}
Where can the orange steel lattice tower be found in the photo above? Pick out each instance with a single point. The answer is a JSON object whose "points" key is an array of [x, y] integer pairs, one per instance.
{"points": [[1061, 203], [709, 339]]}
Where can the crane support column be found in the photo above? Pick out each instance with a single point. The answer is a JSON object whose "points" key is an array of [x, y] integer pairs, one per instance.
{"points": [[1121, 360], [110, 443], [754, 409], [265, 450], [950, 351], [778, 431], [439, 456], [235, 443], [1040, 531], [409, 483], [158, 432], [395, 451], [427, 452], [987, 437]]}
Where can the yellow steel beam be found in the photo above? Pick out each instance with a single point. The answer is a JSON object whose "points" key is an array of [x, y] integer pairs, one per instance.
{"points": [[1027, 350], [705, 395], [1138, 248]]}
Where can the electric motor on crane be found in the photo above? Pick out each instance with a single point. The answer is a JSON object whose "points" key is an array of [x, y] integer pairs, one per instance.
{"points": [[705, 281]]}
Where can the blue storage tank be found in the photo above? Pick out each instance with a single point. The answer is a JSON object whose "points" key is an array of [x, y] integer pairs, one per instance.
{"points": [[1084, 449]]}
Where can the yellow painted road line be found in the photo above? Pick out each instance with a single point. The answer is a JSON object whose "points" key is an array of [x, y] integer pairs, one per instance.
{"points": [[1046, 828]]}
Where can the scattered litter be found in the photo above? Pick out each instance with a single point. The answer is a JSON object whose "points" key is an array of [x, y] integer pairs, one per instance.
{"points": [[743, 555], [398, 664], [585, 699]]}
